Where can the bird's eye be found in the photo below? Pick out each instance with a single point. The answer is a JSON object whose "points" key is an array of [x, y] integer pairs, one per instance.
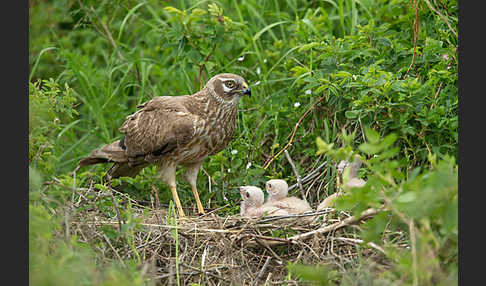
{"points": [[247, 194], [229, 83], [269, 186]]}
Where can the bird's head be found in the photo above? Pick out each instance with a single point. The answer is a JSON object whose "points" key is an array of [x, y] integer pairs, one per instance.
{"points": [[341, 166], [252, 195], [227, 87], [277, 188], [352, 166]]}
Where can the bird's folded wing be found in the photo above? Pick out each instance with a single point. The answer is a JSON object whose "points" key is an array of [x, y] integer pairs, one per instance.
{"points": [[283, 204], [161, 125]]}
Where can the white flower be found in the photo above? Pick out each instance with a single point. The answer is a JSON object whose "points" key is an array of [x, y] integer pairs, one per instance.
{"points": [[297, 104], [257, 83], [308, 91], [240, 59], [229, 170], [258, 70], [354, 77], [248, 165], [234, 151], [265, 60]]}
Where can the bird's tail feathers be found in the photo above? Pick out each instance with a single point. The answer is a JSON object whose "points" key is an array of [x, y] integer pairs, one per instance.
{"points": [[124, 170], [108, 153]]}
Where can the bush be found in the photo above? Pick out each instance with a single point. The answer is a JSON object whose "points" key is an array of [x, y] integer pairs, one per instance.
{"points": [[376, 78]]}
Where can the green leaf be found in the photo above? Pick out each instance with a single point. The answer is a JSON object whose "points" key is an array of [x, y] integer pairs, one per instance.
{"points": [[407, 197], [371, 135], [101, 187], [388, 140], [308, 46], [343, 74], [369, 148], [323, 147], [257, 35], [351, 114]]}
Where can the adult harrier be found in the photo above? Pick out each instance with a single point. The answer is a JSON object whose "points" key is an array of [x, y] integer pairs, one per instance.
{"points": [[176, 130]]}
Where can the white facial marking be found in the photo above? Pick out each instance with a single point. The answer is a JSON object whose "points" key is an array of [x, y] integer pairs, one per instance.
{"points": [[225, 78], [226, 89]]}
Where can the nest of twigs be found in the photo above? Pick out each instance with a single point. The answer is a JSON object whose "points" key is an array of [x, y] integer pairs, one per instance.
{"points": [[217, 250]]}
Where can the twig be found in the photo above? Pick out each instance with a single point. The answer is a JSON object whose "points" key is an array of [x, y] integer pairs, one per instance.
{"points": [[260, 274], [325, 211], [114, 250], [202, 66], [204, 271], [445, 7], [269, 238], [360, 241], [294, 131], [105, 222], [414, 252], [299, 181], [118, 216], [362, 130], [108, 34], [350, 220], [217, 209], [309, 177], [211, 178], [268, 278], [112, 41], [157, 202], [335, 226], [435, 95], [415, 36], [264, 244], [441, 16]]}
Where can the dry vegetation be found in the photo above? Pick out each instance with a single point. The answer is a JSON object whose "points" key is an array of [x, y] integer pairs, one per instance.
{"points": [[220, 250]]}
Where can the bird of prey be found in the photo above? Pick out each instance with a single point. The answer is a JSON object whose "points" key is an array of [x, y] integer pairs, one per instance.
{"points": [[252, 203], [176, 130], [352, 180], [278, 190]]}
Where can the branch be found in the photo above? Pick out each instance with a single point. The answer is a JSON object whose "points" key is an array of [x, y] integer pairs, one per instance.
{"points": [[294, 131], [299, 181], [329, 228], [441, 16], [309, 176]]}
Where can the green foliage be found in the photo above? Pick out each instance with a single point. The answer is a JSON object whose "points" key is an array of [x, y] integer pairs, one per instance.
{"points": [[385, 98], [422, 201], [50, 107], [55, 261]]}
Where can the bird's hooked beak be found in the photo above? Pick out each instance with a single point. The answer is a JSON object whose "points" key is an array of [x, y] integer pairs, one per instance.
{"points": [[246, 89]]}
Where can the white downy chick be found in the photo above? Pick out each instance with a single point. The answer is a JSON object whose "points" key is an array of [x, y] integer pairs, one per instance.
{"points": [[352, 180], [278, 191], [252, 203]]}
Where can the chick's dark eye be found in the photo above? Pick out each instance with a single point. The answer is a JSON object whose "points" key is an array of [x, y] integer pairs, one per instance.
{"points": [[247, 194], [229, 83]]}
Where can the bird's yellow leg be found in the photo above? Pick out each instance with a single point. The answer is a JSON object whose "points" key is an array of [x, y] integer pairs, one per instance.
{"points": [[191, 177], [200, 208], [177, 202]]}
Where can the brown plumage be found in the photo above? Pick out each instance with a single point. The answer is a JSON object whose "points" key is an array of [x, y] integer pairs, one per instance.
{"points": [[352, 180], [176, 130], [252, 203], [278, 190]]}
